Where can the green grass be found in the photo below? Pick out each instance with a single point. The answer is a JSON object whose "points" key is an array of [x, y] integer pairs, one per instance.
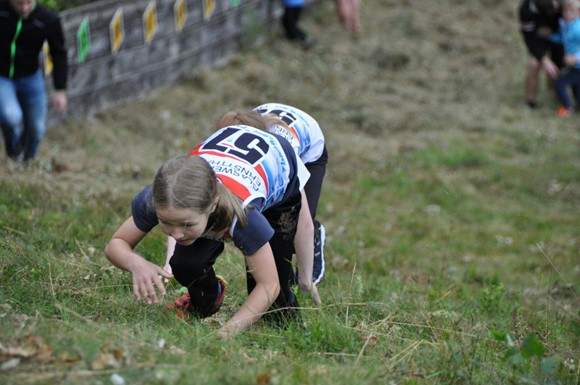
{"points": [[451, 211], [427, 258]]}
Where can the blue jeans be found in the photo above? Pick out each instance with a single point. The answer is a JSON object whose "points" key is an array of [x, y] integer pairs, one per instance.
{"points": [[568, 79], [23, 114]]}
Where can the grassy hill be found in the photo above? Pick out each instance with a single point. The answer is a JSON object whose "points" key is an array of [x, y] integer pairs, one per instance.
{"points": [[452, 213]]}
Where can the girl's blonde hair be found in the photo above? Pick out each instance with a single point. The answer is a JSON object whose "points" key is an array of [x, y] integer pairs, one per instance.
{"points": [[252, 119], [189, 182], [571, 3]]}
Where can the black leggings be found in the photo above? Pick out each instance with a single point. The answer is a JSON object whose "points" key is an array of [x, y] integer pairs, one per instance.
{"points": [[313, 187], [284, 221], [192, 265]]}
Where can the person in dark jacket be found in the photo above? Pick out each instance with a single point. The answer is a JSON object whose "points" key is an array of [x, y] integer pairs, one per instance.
{"points": [[24, 27], [538, 21]]}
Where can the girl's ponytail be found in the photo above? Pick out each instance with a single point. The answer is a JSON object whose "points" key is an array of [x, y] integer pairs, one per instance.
{"points": [[228, 207]]}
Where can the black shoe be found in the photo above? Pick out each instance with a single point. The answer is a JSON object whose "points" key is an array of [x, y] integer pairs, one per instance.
{"points": [[17, 158], [307, 43]]}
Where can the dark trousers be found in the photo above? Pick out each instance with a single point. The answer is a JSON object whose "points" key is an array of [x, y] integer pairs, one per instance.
{"points": [[290, 23]]}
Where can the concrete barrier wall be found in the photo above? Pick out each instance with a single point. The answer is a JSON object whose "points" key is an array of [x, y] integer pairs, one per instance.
{"points": [[103, 78]]}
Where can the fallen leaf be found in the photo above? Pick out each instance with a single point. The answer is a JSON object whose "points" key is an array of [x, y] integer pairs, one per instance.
{"points": [[371, 340], [118, 354], [31, 347], [104, 360], [66, 357], [264, 378]]}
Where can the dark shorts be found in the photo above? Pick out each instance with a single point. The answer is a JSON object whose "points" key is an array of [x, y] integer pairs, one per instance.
{"points": [[536, 45]]}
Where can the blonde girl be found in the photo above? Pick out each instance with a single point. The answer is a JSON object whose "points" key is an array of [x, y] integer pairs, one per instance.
{"points": [[240, 185]]}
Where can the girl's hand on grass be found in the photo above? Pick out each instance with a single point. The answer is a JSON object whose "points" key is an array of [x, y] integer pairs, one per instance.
{"points": [[147, 277], [314, 294], [310, 287], [224, 334]]}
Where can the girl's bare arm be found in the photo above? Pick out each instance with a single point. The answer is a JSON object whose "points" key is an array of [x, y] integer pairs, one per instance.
{"points": [[146, 275], [263, 268]]}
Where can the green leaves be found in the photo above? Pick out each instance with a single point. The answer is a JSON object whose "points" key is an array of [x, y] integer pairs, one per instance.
{"points": [[549, 365], [524, 356], [532, 347]]}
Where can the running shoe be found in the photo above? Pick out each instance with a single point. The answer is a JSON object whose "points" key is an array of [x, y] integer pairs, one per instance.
{"points": [[181, 305], [564, 112], [220, 299]]}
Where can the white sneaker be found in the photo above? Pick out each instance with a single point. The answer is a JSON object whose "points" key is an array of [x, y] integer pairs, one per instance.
{"points": [[319, 238]]}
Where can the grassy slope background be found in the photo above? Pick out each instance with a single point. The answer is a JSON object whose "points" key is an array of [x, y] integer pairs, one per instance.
{"points": [[451, 211]]}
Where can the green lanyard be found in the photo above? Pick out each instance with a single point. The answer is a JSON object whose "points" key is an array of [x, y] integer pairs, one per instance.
{"points": [[13, 48]]}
